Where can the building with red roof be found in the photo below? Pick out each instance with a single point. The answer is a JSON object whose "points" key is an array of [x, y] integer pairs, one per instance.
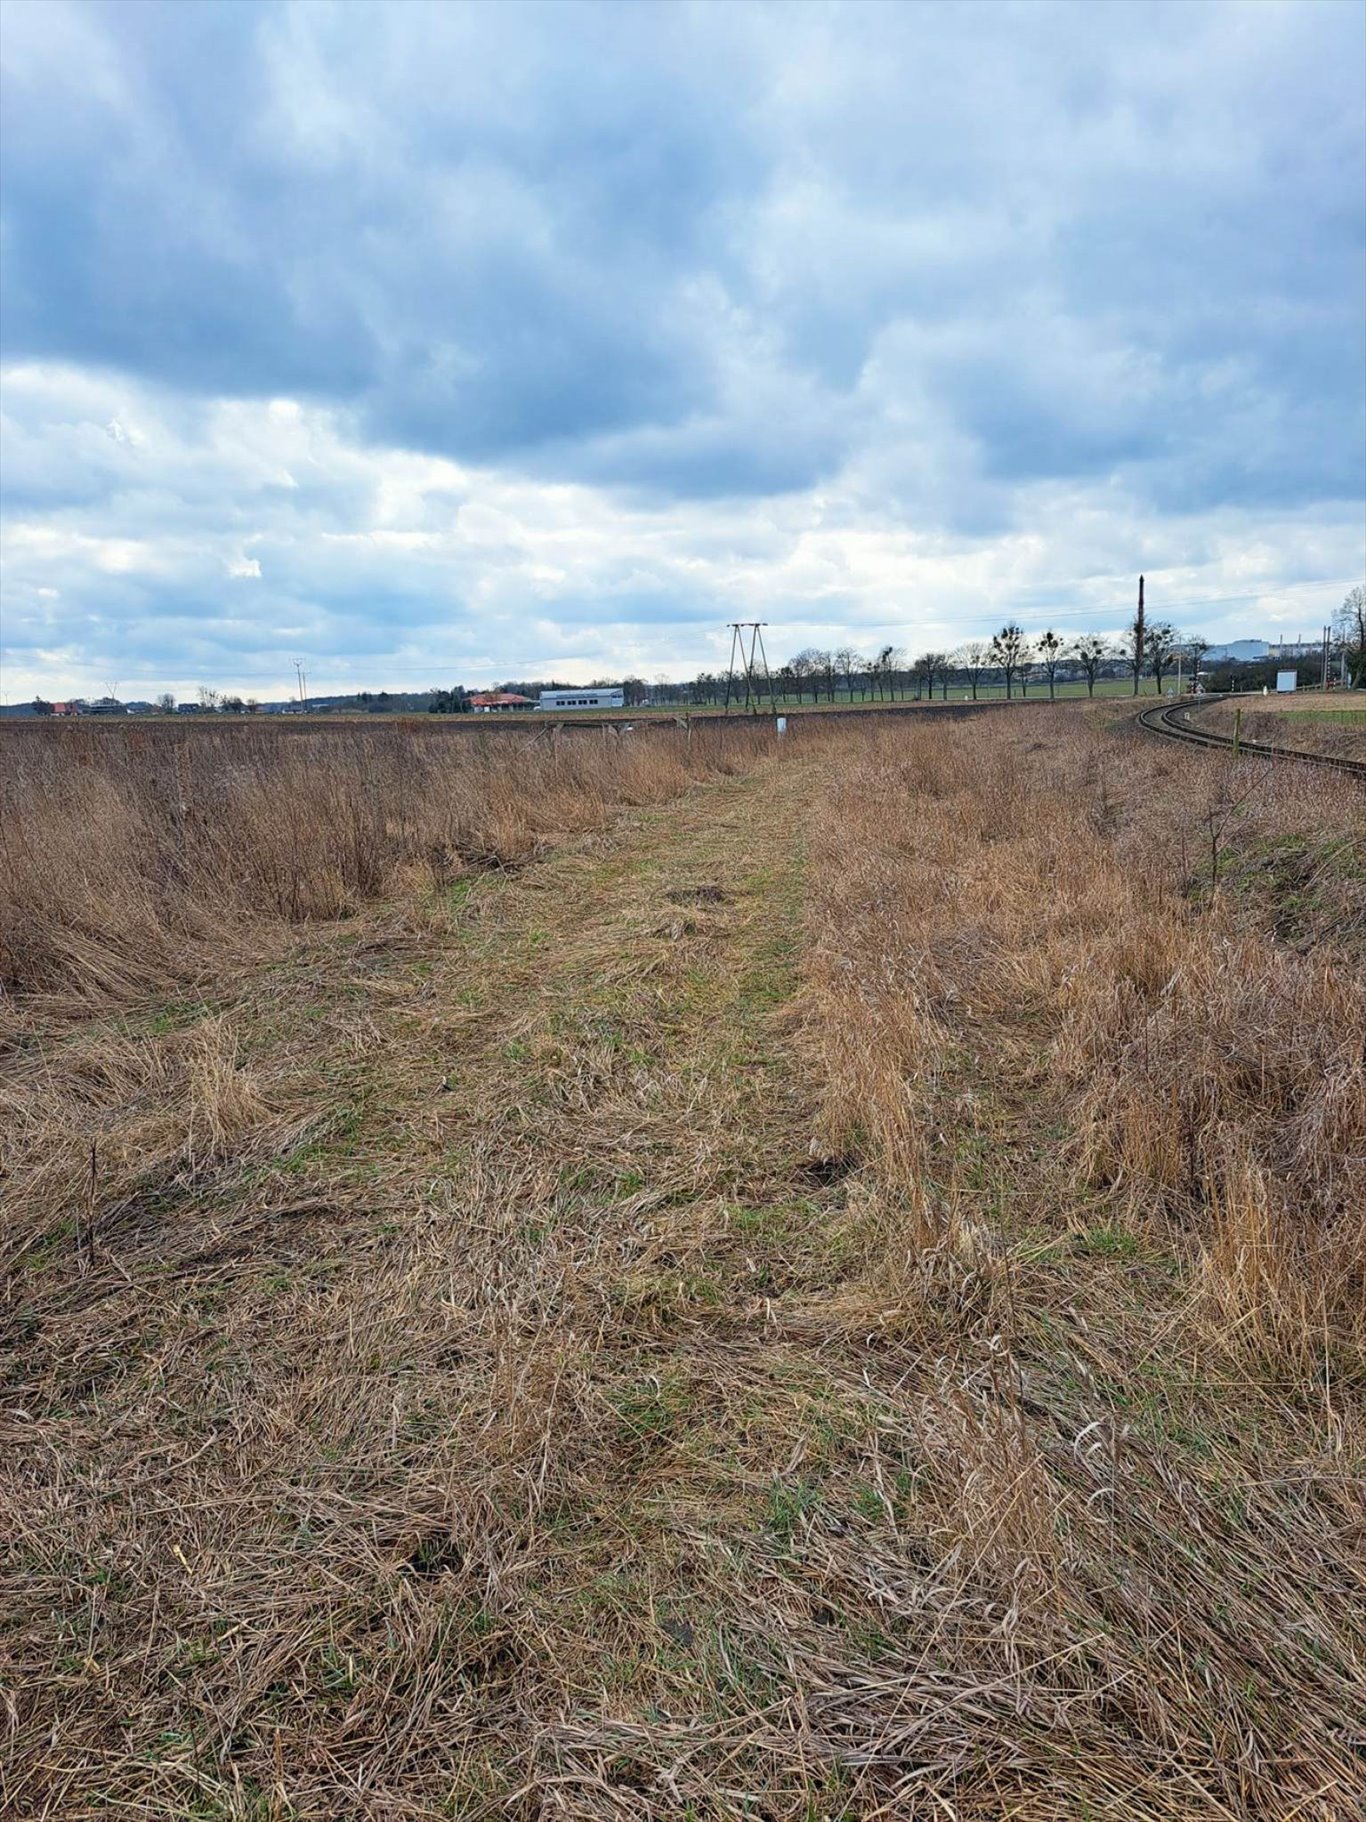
{"points": [[488, 702]]}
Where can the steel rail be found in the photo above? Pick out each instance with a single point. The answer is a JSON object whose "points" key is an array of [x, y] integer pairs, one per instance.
{"points": [[1172, 719]]}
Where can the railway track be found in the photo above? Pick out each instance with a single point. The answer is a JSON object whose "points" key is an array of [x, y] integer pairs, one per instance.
{"points": [[1173, 719]]}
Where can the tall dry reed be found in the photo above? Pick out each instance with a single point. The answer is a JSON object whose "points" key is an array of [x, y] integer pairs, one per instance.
{"points": [[126, 851], [1011, 923]]}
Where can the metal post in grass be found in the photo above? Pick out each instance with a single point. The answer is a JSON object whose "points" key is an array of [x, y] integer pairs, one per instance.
{"points": [[763, 655], [730, 668], [1237, 728]]}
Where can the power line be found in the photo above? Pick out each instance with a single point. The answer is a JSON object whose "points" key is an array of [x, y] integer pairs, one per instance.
{"points": [[1124, 609], [1256, 594], [955, 623], [749, 658]]}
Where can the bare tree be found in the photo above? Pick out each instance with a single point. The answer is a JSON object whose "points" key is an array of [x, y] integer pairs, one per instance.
{"points": [[165, 703], [846, 662], [1010, 653], [805, 665], [209, 698], [819, 666], [1195, 646], [1051, 649], [934, 668], [1092, 651], [972, 659], [1163, 643], [1350, 626]]}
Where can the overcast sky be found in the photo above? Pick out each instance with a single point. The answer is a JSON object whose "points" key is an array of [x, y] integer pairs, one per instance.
{"points": [[435, 343]]}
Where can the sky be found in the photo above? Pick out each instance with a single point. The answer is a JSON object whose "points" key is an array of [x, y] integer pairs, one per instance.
{"points": [[437, 343]]}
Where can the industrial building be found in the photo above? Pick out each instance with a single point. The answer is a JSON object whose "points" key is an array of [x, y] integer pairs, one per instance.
{"points": [[582, 699]]}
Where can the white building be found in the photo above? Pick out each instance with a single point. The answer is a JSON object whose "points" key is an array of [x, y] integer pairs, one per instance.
{"points": [[581, 699]]}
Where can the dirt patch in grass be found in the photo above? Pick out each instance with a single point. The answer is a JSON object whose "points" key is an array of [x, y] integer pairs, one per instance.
{"points": [[709, 894]]}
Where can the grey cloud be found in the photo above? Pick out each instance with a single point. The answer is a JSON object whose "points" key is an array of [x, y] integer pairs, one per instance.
{"points": [[487, 231], [753, 283]]}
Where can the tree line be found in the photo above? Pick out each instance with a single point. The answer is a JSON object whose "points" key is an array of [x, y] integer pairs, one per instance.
{"points": [[1011, 660], [1015, 662]]}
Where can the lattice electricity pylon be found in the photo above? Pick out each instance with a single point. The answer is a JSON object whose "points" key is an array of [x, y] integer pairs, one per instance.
{"points": [[749, 655]]}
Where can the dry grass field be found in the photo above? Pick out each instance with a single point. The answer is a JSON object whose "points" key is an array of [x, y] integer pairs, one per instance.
{"points": [[1331, 723], [623, 1281]]}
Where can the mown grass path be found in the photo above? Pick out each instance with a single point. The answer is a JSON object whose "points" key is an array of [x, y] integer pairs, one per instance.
{"points": [[641, 969], [430, 1457]]}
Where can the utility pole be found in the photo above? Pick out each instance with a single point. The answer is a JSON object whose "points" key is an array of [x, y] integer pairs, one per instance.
{"points": [[1323, 680], [302, 676], [730, 668], [748, 655], [1140, 636]]}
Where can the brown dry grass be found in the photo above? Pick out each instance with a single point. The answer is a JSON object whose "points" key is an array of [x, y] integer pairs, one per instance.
{"points": [[1333, 723], [840, 1297], [130, 854]]}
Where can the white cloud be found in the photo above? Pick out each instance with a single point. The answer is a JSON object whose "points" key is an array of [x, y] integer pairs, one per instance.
{"points": [[478, 339], [389, 567]]}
